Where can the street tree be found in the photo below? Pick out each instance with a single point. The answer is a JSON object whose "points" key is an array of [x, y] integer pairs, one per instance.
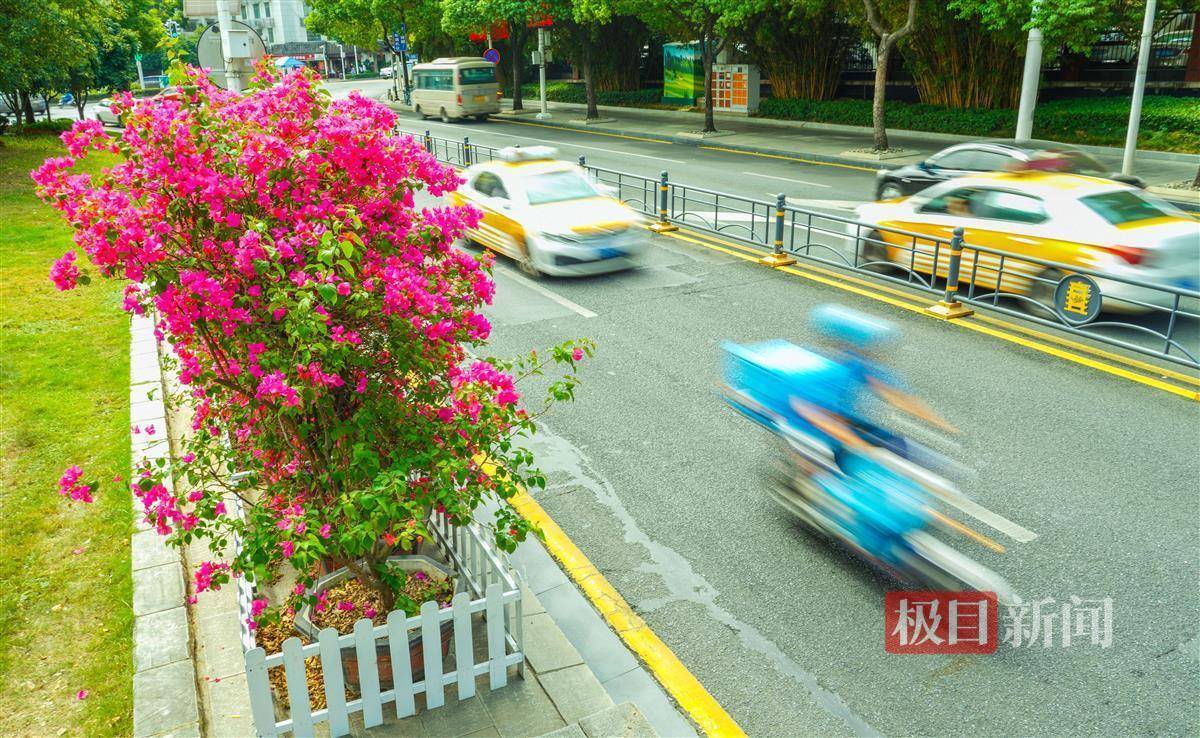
{"points": [[801, 45], [372, 24], [887, 34], [710, 22], [462, 17]]}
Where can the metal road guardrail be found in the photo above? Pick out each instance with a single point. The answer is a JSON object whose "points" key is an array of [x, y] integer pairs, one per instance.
{"points": [[1144, 317]]}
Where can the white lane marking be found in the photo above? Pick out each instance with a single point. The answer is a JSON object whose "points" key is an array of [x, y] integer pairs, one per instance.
{"points": [[788, 179], [995, 520], [552, 141], [574, 307], [816, 203]]}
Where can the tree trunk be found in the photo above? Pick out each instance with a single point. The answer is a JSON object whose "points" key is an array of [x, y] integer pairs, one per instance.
{"points": [[589, 79], [26, 108], [80, 101], [878, 122], [516, 40], [46, 102], [1196, 181], [706, 56]]}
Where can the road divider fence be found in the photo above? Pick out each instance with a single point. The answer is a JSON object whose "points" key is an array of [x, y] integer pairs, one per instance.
{"points": [[1144, 317]]}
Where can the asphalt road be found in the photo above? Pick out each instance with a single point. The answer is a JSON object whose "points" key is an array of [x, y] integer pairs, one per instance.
{"points": [[662, 487], [828, 189]]}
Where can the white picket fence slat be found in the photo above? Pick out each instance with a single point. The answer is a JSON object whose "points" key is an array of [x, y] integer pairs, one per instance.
{"points": [[493, 591], [397, 626], [335, 686]]}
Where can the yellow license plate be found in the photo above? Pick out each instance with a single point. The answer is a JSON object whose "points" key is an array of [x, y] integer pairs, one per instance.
{"points": [[480, 98]]}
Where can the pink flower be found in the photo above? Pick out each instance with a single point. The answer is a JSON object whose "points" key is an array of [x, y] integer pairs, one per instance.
{"points": [[345, 605], [577, 354], [299, 588], [288, 548], [369, 612], [64, 273], [325, 529], [150, 429], [257, 606], [81, 695], [68, 485], [210, 575]]}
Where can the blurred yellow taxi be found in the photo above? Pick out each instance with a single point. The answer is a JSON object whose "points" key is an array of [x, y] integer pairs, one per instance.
{"points": [[548, 216], [1069, 219]]}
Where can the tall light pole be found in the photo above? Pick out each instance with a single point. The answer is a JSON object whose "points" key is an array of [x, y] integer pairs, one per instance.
{"points": [[1139, 88], [225, 22], [1029, 81]]}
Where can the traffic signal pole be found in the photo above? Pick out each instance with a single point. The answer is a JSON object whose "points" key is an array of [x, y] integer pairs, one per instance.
{"points": [[225, 24], [541, 54]]}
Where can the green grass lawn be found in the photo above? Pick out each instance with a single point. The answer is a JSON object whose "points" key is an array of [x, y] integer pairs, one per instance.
{"points": [[65, 590]]}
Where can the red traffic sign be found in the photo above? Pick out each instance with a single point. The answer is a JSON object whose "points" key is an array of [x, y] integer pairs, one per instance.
{"points": [[492, 55]]}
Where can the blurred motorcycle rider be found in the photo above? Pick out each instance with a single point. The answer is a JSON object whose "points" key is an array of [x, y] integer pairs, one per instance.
{"points": [[840, 398]]}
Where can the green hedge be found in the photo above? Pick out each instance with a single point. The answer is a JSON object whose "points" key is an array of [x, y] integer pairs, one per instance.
{"points": [[1168, 123], [573, 92], [41, 126]]}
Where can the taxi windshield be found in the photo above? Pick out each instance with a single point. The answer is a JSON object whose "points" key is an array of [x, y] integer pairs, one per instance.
{"points": [[558, 187], [1127, 206]]}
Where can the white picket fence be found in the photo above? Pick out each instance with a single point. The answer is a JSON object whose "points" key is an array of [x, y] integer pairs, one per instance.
{"points": [[493, 589]]}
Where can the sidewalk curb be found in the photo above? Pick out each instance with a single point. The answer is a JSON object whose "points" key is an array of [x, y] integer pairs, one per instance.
{"points": [[165, 699], [715, 143]]}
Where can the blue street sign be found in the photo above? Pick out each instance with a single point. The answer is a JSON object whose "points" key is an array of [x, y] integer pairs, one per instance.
{"points": [[492, 55], [402, 44]]}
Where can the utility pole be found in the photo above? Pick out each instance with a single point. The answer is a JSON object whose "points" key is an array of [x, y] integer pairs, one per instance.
{"points": [[1139, 88], [357, 69], [404, 63], [1029, 84], [342, 49], [541, 62], [141, 77], [233, 73]]}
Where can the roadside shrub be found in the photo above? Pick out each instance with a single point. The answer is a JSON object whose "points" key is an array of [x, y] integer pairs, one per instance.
{"points": [[1168, 123], [324, 327], [574, 92], [54, 127]]}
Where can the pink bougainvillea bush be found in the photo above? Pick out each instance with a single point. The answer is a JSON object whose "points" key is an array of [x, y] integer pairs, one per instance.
{"points": [[323, 327]]}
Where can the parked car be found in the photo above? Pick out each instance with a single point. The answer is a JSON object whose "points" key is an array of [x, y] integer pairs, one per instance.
{"points": [[37, 103], [990, 156], [104, 112], [1069, 219], [385, 71], [548, 216], [1169, 49]]}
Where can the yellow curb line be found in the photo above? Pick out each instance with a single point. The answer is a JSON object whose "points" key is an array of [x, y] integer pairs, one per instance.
{"points": [[995, 333], [1146, 367], [662, 662]]}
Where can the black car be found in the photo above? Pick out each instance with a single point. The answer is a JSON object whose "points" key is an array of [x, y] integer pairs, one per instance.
{"points": [[989, 156]]}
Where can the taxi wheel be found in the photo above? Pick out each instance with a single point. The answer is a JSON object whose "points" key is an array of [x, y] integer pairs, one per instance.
{"points": [[1041, 293], [526, 263], [482, 117], [871, 250], [446, 116], [417, 110]]}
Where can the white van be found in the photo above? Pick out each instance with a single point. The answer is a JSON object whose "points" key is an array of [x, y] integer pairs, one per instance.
{"points": [[455, 87]]}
